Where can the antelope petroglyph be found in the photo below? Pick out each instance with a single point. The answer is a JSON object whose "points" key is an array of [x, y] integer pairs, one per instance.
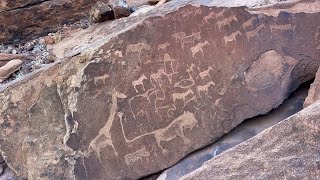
{"points": [[231, 37], [248, 23], [103, 139], [255, 32], [226, 21], [181, 96], [102, 78], [199, 48], [284, 27], [205, 73], [139, 82], [175, 129], [136, 156], [205, 88], [206, 19]]}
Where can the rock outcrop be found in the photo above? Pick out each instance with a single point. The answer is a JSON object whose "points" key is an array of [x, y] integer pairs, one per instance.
{"points": [[314, 93], [288, 150], [26, 19], [130, 92]]}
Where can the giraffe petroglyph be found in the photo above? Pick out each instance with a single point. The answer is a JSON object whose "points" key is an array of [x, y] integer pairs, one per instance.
{"points": [[231, 37], [103, 139], [139, 82], [205, 73], [175, 129], [199, 48]]}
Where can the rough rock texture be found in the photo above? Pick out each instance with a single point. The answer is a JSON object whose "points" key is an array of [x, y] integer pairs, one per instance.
{"points": [[288, 150], [142, 95], [314, 92], [239, 134], [22, 20]]}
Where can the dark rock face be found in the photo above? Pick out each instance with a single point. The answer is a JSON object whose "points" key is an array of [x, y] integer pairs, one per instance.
{"points": [[22, 20], [288, 150], [313, 94], [150, 93]]}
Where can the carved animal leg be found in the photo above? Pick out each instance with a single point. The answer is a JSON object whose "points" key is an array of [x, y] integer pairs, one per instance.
{"points": [[181, 135], [164, 151], [135, 88]]}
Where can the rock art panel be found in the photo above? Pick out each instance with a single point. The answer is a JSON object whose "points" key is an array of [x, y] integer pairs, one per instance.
{"points": [[141, 93]]}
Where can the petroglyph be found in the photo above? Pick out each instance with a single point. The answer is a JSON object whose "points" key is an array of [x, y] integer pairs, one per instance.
{"points": [[255, 32], [280, 27], [231, 38], [226, 21], [118, 54], [156, 77], [181, 96], [220, 14], [136, 156], [318, 32], [102, 78], [198, 48], [187, 83], [205, 73], [146, 96], [206, 19], [139, 82], [175, 129], [137, 48], [166, 59], [248, 23], [163, 46], [190, 39], [205, 88], [178, 36], [103, 139]]}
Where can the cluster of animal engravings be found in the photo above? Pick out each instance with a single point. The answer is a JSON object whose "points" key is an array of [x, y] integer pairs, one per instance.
{"points": [[182, 78]]}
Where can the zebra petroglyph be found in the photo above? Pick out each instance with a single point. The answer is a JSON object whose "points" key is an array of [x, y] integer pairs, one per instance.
{"points": [[248, 23], [226, 21], [205, 88], [255, 32], [181, 96], [205, 73], [175, 129], [206, 19]]}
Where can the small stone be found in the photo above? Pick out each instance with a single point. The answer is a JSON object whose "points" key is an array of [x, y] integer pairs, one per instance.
{"points": [[49, 39], [9, 68], [8, 50], [28, 46], [14, 51]]}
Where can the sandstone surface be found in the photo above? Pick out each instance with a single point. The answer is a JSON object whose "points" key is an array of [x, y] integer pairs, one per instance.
{"points": [[314, 94], [288, 150], [134, 96]]}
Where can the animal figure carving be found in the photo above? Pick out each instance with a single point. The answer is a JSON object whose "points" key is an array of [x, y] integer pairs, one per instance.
{"points": [[248, 23], [187, 83], [167, 58], [103, 139], [181, 96], [226, 21], [136, 156], [190, 39], [255, 32], [198, 48], [137, 48], [139, 82], [281, 27], [231, 38], [205, 73], [205, 88], [101, 78], [208, 17], [220, 14], [163, 46], [175, 129]]}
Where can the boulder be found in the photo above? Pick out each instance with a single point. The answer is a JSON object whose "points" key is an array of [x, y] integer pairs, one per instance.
{"points": [[314, 91], [26, 19], [136, 95], [288, 150]]}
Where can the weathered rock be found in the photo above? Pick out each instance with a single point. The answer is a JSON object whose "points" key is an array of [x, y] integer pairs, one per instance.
{"points": [[247, 129], [9, 68], [148, 94], [38, 17], [314, 92], [288, 150]]}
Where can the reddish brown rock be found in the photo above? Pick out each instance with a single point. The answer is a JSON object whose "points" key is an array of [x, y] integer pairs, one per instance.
{"points": [[288, 150], [314, 92], [147, 94], [23, 20]]}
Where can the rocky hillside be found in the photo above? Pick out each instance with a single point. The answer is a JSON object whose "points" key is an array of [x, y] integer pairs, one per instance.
{"points": [[123, 90]]}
